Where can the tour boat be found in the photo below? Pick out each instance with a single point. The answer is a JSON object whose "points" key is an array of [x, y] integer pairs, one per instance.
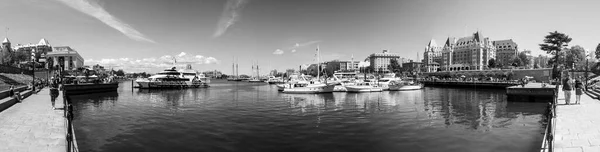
{"points": [[171, 78], [364, 87], [404, 85]]}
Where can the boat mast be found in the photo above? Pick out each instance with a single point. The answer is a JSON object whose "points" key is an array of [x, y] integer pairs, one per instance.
{"points": [[233, 67], [318, 64]]}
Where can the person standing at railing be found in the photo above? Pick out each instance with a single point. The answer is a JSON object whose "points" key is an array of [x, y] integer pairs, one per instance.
{"points": [[578, 90], [567, 89]]}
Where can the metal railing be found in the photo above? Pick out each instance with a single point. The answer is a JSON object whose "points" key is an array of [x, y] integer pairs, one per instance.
{"points": [[548, 143], [70, 134]]}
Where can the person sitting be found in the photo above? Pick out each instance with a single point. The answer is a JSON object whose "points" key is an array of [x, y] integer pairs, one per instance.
{"points": [[12, 93]]}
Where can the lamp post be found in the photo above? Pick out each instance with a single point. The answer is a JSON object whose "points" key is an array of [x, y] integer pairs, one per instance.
{"points": [[33, 69], [587, 57]]}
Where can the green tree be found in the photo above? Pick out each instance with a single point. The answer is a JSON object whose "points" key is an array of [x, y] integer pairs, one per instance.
{"points": [[394, 66], [598, 51], [524, 59], [575, 55], [553, 44], [516, 62], [492, 63]]}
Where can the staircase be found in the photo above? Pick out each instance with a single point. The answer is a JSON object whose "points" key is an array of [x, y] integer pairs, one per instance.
{"points": [[593, 93]]}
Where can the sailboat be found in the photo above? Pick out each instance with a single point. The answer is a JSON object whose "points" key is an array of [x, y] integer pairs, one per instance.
{"points": [[256, 78], [312, 87]]}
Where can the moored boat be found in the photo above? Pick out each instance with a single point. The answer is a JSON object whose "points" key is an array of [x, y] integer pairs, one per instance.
{"points": [[364, 87], [405, 85], [171, 78], [309, 88]]}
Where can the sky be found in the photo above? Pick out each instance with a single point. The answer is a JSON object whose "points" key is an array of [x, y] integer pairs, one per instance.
{"points": [[146, 35]]}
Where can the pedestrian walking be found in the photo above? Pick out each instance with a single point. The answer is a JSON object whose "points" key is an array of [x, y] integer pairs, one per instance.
{"points": [[578, 90], [54, 92], [567, 88]]}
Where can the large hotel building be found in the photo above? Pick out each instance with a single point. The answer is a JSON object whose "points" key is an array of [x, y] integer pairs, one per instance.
{"points": [[467, 53]]}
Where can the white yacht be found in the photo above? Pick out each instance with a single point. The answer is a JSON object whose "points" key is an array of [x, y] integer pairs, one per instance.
{"points": [[171, 78], [405, 85], [385, 81], [364, 87]]}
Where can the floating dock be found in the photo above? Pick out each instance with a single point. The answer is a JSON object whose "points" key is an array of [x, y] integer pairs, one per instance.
{"points": [[531, 92], [486, 84]]}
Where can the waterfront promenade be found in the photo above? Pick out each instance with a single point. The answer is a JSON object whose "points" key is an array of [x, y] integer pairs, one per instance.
{"points": [[32, 125], [577, 126]]}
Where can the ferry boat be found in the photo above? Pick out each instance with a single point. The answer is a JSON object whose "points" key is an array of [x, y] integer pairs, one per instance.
{"points": [[405, 85], [171, 78]]}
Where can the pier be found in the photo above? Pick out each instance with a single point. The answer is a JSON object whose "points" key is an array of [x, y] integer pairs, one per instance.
{"points": [[32, 125], [577, 126], [487, 84]]}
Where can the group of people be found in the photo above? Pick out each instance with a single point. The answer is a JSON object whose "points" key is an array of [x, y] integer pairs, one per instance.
{"points": [[568, 86], [54, 92]]}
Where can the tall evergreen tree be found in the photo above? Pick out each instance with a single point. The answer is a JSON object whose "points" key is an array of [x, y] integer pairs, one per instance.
{"points": [[553, 44]]}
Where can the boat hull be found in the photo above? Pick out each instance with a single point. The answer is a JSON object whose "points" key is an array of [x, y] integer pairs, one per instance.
{"points": [[171, 84], [310, 89], [89, 88], [363, 89], [405, 87]]}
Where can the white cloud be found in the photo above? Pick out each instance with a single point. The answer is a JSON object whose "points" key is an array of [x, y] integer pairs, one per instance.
{"points": [[230, 15], [294, 50], [93, 9], [278, 52], [147, 64]]}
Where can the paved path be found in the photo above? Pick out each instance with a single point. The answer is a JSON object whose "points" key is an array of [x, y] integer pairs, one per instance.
{"points": [[577, 126], [33, 126]]}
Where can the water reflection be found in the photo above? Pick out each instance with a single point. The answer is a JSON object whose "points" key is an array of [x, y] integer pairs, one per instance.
{"points": [[239, 116]]}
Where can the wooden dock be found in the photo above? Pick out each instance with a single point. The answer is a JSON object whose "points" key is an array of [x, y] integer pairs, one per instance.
{"points": [[531, 92]]}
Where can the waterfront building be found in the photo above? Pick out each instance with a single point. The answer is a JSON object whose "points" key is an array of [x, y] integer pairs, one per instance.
{"points": [[65, 57], [337, 65], [432, 57], [541, 61], [379, 61], [412, 67], [466, 53], [5, 49], [527, 53], [40, 49], [506, 50]]}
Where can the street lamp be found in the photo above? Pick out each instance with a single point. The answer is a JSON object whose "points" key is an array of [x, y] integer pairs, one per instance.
{"points": [[587, 57], [33, 69]]}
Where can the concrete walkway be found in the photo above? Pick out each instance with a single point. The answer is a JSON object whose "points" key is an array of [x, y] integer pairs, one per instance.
{"points": [[32, 125], [577, 126]]}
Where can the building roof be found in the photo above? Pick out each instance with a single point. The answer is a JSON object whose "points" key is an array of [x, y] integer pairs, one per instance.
{"points": [[450, 41], [6, 40], [432, 43], [43, 42]]}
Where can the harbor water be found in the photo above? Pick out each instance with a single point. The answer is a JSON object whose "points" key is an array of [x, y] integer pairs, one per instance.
{"points": [[241, 116]]}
